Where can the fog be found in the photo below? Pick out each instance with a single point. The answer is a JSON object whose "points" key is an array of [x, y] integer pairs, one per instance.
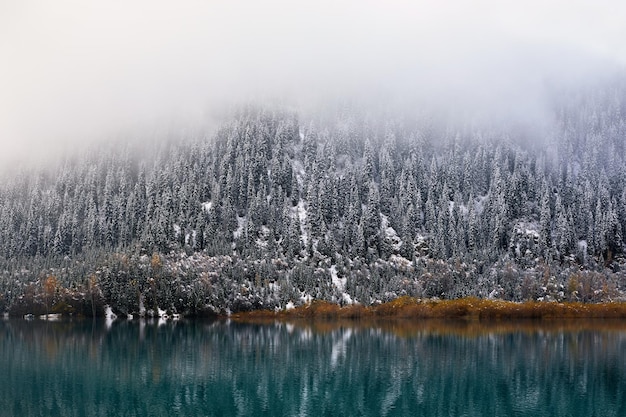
{"points": [[73, 72]]}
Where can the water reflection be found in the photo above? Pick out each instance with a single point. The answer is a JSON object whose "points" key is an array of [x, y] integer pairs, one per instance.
{"points": [[392, 368]]}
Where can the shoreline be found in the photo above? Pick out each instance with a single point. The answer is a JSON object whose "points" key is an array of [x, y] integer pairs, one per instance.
{"points": [[473, 309], [409, 308]]}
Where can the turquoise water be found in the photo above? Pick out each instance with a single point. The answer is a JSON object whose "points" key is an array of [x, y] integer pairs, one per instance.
{"points": [[200, 368]]}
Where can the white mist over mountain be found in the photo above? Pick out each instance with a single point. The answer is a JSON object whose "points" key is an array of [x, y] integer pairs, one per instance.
{"points": [[74, 72]]}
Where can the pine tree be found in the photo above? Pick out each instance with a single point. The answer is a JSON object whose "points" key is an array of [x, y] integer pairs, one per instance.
{"points": [[545, 226]]}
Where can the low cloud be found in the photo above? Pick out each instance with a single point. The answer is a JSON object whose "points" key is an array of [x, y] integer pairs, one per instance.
{"points": [[74, 71]]}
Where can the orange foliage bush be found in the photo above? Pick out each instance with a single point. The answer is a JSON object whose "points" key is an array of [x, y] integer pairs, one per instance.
{"points": [[463, 308]]}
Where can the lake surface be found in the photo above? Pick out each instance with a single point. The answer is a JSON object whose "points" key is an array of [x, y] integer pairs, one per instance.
{"points": [[221, 368]]}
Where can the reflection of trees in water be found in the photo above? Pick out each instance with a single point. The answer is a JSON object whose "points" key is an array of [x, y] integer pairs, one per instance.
{"points": [[216, 368]]}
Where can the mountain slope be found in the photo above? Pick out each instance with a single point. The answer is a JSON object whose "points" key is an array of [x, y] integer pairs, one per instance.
{"points": [[273, 210]]}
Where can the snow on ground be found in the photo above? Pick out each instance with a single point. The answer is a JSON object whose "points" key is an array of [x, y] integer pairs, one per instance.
{"points": [[532, 232], [207, 206], [528, 229], [109, 316], [241, 224], [400, 262], [108, 313], [302, 214], [264, 235], [347, 298], [298, 168], [51, 317], [480, 203], [390, 233], [339, 283]]}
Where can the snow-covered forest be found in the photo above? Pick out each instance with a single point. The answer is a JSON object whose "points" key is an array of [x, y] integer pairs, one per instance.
{"points": [[277, 208]]}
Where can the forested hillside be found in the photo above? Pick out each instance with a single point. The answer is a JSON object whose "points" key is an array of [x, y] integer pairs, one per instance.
{"points": [[277, 208]]}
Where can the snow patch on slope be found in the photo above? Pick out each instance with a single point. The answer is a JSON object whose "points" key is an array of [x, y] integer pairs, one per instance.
{"points": [[241, 224], [339, 283], [302, 215], [263, 236], [479, 204], [207, 206], [298, 168], [390, 233]]}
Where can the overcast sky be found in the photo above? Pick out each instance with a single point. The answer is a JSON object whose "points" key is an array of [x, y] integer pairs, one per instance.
{"points": [[73, 71]]}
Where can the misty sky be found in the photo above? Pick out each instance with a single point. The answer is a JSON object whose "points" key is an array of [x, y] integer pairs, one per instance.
{"points": [[74, 71]]}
